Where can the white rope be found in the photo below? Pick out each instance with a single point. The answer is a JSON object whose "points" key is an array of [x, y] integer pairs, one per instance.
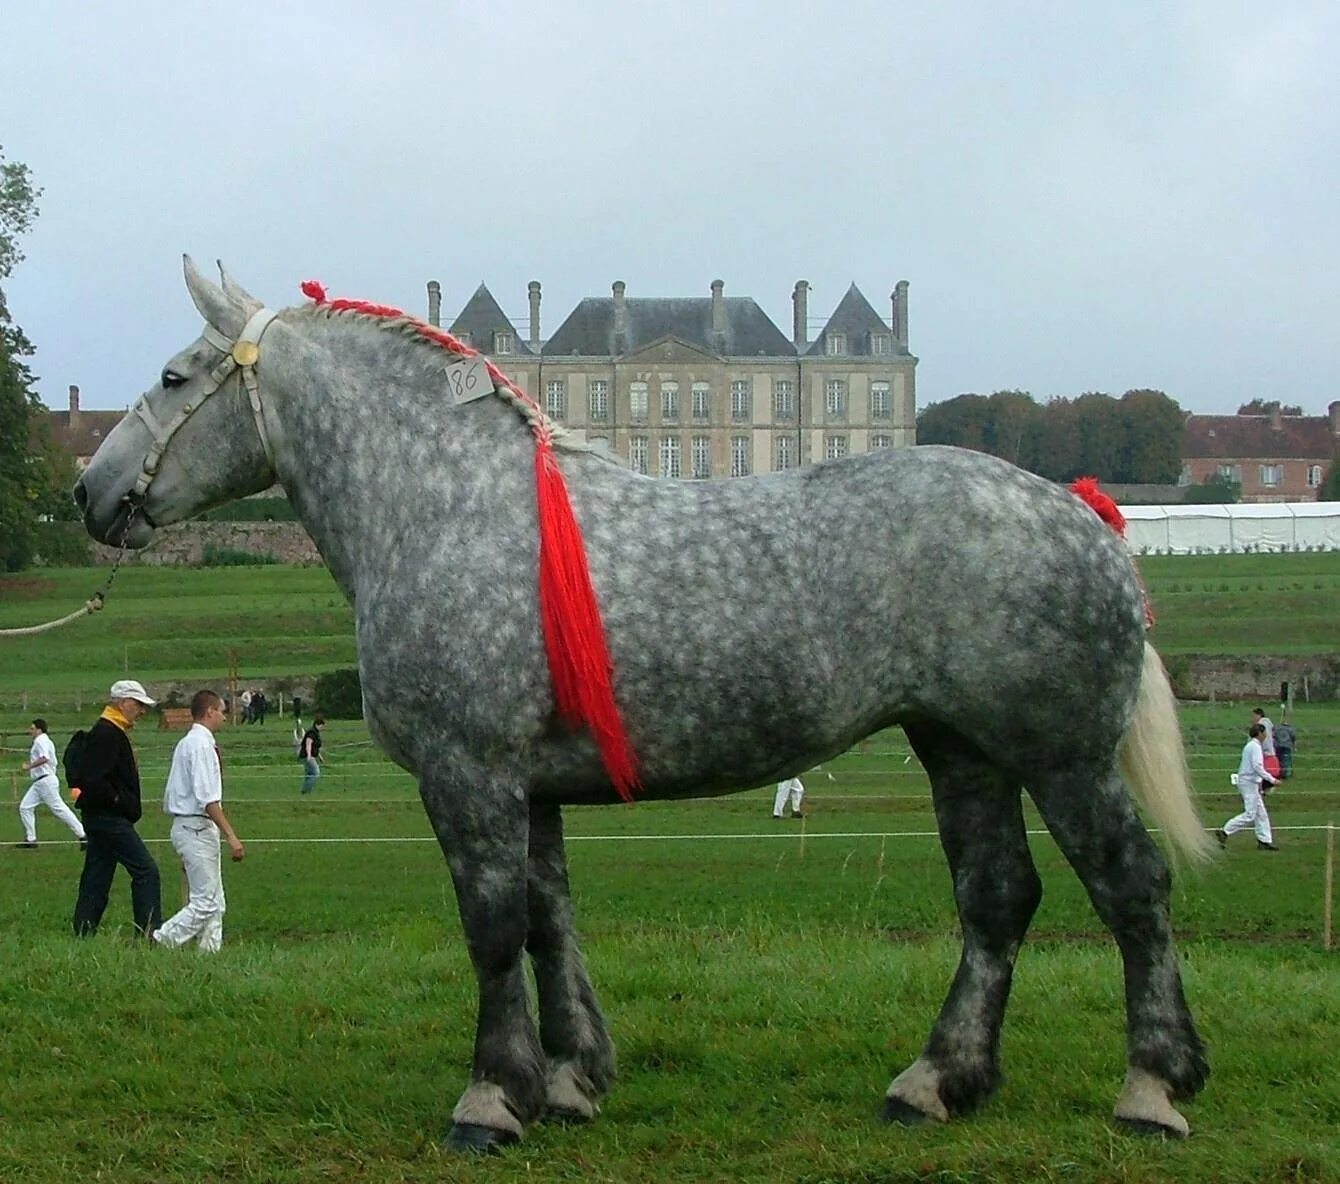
{"points": [[92, 605]]}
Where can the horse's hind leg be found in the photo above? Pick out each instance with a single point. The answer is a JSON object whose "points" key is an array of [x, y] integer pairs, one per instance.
{"points": [[997, 890], [1128, 881], [482, 826], [572, 1029]]}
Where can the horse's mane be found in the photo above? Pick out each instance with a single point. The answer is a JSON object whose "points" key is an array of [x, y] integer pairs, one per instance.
{"points": [[393, 320]]}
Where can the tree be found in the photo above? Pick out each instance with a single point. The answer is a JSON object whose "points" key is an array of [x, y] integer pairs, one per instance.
{"points": [[1153, 423], [1216, 489], [1261, 407], [1330, 487], [20, 477]]}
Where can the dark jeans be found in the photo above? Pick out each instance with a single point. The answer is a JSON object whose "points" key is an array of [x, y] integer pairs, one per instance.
{"points": [[112, 840], [1286, 762]]}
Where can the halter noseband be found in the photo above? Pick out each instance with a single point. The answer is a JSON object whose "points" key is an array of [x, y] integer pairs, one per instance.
{"points": [[241, 354]]}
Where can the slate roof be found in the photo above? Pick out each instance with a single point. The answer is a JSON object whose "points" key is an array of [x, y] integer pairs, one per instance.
{"points": [[481, 317], [858, 320], [1299, 437], [589, 328]]}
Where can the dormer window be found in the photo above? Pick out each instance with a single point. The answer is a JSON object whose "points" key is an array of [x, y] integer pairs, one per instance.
{"points": [[502, 341], [881, 345], [837, 343]]}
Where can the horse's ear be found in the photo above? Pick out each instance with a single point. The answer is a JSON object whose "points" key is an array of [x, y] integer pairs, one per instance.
{"points": [[226, 315], [234, 291]]}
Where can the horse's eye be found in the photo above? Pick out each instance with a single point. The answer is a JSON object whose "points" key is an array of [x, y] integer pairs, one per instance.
{"points": [[171, 378]]}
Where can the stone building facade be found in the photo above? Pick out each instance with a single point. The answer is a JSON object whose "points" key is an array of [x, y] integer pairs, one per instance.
{"points": [[708, 387]]}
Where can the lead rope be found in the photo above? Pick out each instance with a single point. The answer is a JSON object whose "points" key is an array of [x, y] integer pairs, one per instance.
{"points": [[92, 605]]}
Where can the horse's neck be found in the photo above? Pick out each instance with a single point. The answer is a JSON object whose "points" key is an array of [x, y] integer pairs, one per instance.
{"points": [[374, 457]]}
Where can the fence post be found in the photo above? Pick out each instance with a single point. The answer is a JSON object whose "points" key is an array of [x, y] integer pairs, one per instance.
{"points": [[1329, 888]]}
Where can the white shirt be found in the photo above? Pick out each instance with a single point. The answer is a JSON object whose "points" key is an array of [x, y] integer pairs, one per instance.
{"points": [[1268, 740], [42, 750], [195, 778], [1252, 767]]}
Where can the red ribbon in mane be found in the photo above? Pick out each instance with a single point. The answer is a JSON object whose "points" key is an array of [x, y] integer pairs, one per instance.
{"points": [[580, 667], [1088, 491]]}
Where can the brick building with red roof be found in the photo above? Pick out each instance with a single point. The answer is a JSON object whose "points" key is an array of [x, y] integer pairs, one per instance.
{"points": [[1274, 458]]}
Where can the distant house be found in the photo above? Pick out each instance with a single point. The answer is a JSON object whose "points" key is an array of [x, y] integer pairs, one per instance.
{"points": [[709, 386], [79, 433], [1274, 458]]}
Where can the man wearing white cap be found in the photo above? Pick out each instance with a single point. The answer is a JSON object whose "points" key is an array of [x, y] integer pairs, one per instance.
{"points": [[107, 778]]}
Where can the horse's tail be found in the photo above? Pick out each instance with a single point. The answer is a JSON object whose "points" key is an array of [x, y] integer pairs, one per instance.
{"points": [[1153, 763]]}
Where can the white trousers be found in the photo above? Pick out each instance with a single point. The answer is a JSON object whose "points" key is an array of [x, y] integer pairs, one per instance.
{"points": [[196, 840], [791, 788], [1253, 812], [46, 791]]}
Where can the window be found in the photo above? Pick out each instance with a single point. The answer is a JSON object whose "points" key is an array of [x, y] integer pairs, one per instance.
{"points": [[880, 441], [881, 345], [836, 343], [670, 456], [1314, 476], [835, 396], [637, 454], [739, 456], [783, 399], [598, 398], [669, 400], [702, 456], [502, 341], [556, 398], [1230, 472], [835, 447], [702, 400], [740, 400], [1272, 474], [880, 403], [784, 453], [637, 400]]}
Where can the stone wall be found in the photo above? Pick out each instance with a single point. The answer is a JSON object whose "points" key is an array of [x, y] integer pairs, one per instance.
{"points": [[1222, 676], [184, 544]]}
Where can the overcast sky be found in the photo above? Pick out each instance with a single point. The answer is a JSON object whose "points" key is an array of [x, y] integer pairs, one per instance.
{"points": [[1083, 195]]}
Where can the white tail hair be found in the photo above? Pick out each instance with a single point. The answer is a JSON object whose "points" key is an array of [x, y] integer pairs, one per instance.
{"points": [[1153, 763]]}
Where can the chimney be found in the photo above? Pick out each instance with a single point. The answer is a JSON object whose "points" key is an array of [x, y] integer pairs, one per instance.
{"points": [[718, 308], [434, 303], [620, 309], [1334, 412], [74, 407], [800, 313], [534, 289], [1277, 420], [900, 313]]}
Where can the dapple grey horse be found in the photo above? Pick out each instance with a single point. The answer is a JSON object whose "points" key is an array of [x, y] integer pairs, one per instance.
{"points": [[756, 626]]}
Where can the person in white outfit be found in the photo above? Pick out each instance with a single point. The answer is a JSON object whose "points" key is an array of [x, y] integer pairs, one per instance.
{"points": [[194, 798], [1252, 777], [45, 788], [791, 788]]}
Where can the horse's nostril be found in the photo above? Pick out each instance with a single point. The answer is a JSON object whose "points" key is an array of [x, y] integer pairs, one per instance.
{"points": [[80, 496]]}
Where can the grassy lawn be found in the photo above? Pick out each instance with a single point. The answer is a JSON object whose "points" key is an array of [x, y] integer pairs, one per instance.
{"points": [[763, 980]]}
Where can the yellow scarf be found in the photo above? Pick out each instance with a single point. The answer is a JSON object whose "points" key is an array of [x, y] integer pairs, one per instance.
{"points": [[113, 715]]}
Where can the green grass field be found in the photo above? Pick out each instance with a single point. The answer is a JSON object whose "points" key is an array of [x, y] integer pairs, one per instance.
{"points": [[763, 980]]}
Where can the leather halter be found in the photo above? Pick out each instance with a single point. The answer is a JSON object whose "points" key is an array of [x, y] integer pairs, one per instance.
{"points": [[242, 354]]}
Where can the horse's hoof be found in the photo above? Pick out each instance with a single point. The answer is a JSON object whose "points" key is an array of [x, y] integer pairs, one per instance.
{"points": [[1147, 1129], [565, 1116], [478, 1140], [900, 1113]]}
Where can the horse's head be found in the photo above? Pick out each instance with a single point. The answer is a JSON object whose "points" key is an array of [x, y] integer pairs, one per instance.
{"points": [[197, 438]]}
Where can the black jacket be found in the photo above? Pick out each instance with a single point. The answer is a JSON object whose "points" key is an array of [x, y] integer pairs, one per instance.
{"points": [[108, 777]]}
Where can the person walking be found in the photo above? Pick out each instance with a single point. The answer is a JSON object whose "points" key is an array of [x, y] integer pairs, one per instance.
{"points": [[1252, 779], [310, 750], [246, 706], [107, 778], [792, 788], [194, 798], [45, 787], [1286, 736], [1272, 763]]}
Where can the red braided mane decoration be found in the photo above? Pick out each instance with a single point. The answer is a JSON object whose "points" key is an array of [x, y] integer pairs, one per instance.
{"points": [[580, 667], [1088, 491]]}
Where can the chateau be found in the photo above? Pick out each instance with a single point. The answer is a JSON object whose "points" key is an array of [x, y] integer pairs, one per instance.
{"points": [[708, 386]]}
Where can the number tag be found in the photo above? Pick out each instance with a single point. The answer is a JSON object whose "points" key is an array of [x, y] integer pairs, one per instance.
{"points": [[469, 380]]}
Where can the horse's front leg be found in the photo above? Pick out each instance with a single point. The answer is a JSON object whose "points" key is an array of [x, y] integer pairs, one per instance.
{"points": [[482, 825], [572, 1028]]}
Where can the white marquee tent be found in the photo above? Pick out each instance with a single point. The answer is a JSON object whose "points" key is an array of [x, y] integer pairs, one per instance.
{"points": [[1191, 530]]}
